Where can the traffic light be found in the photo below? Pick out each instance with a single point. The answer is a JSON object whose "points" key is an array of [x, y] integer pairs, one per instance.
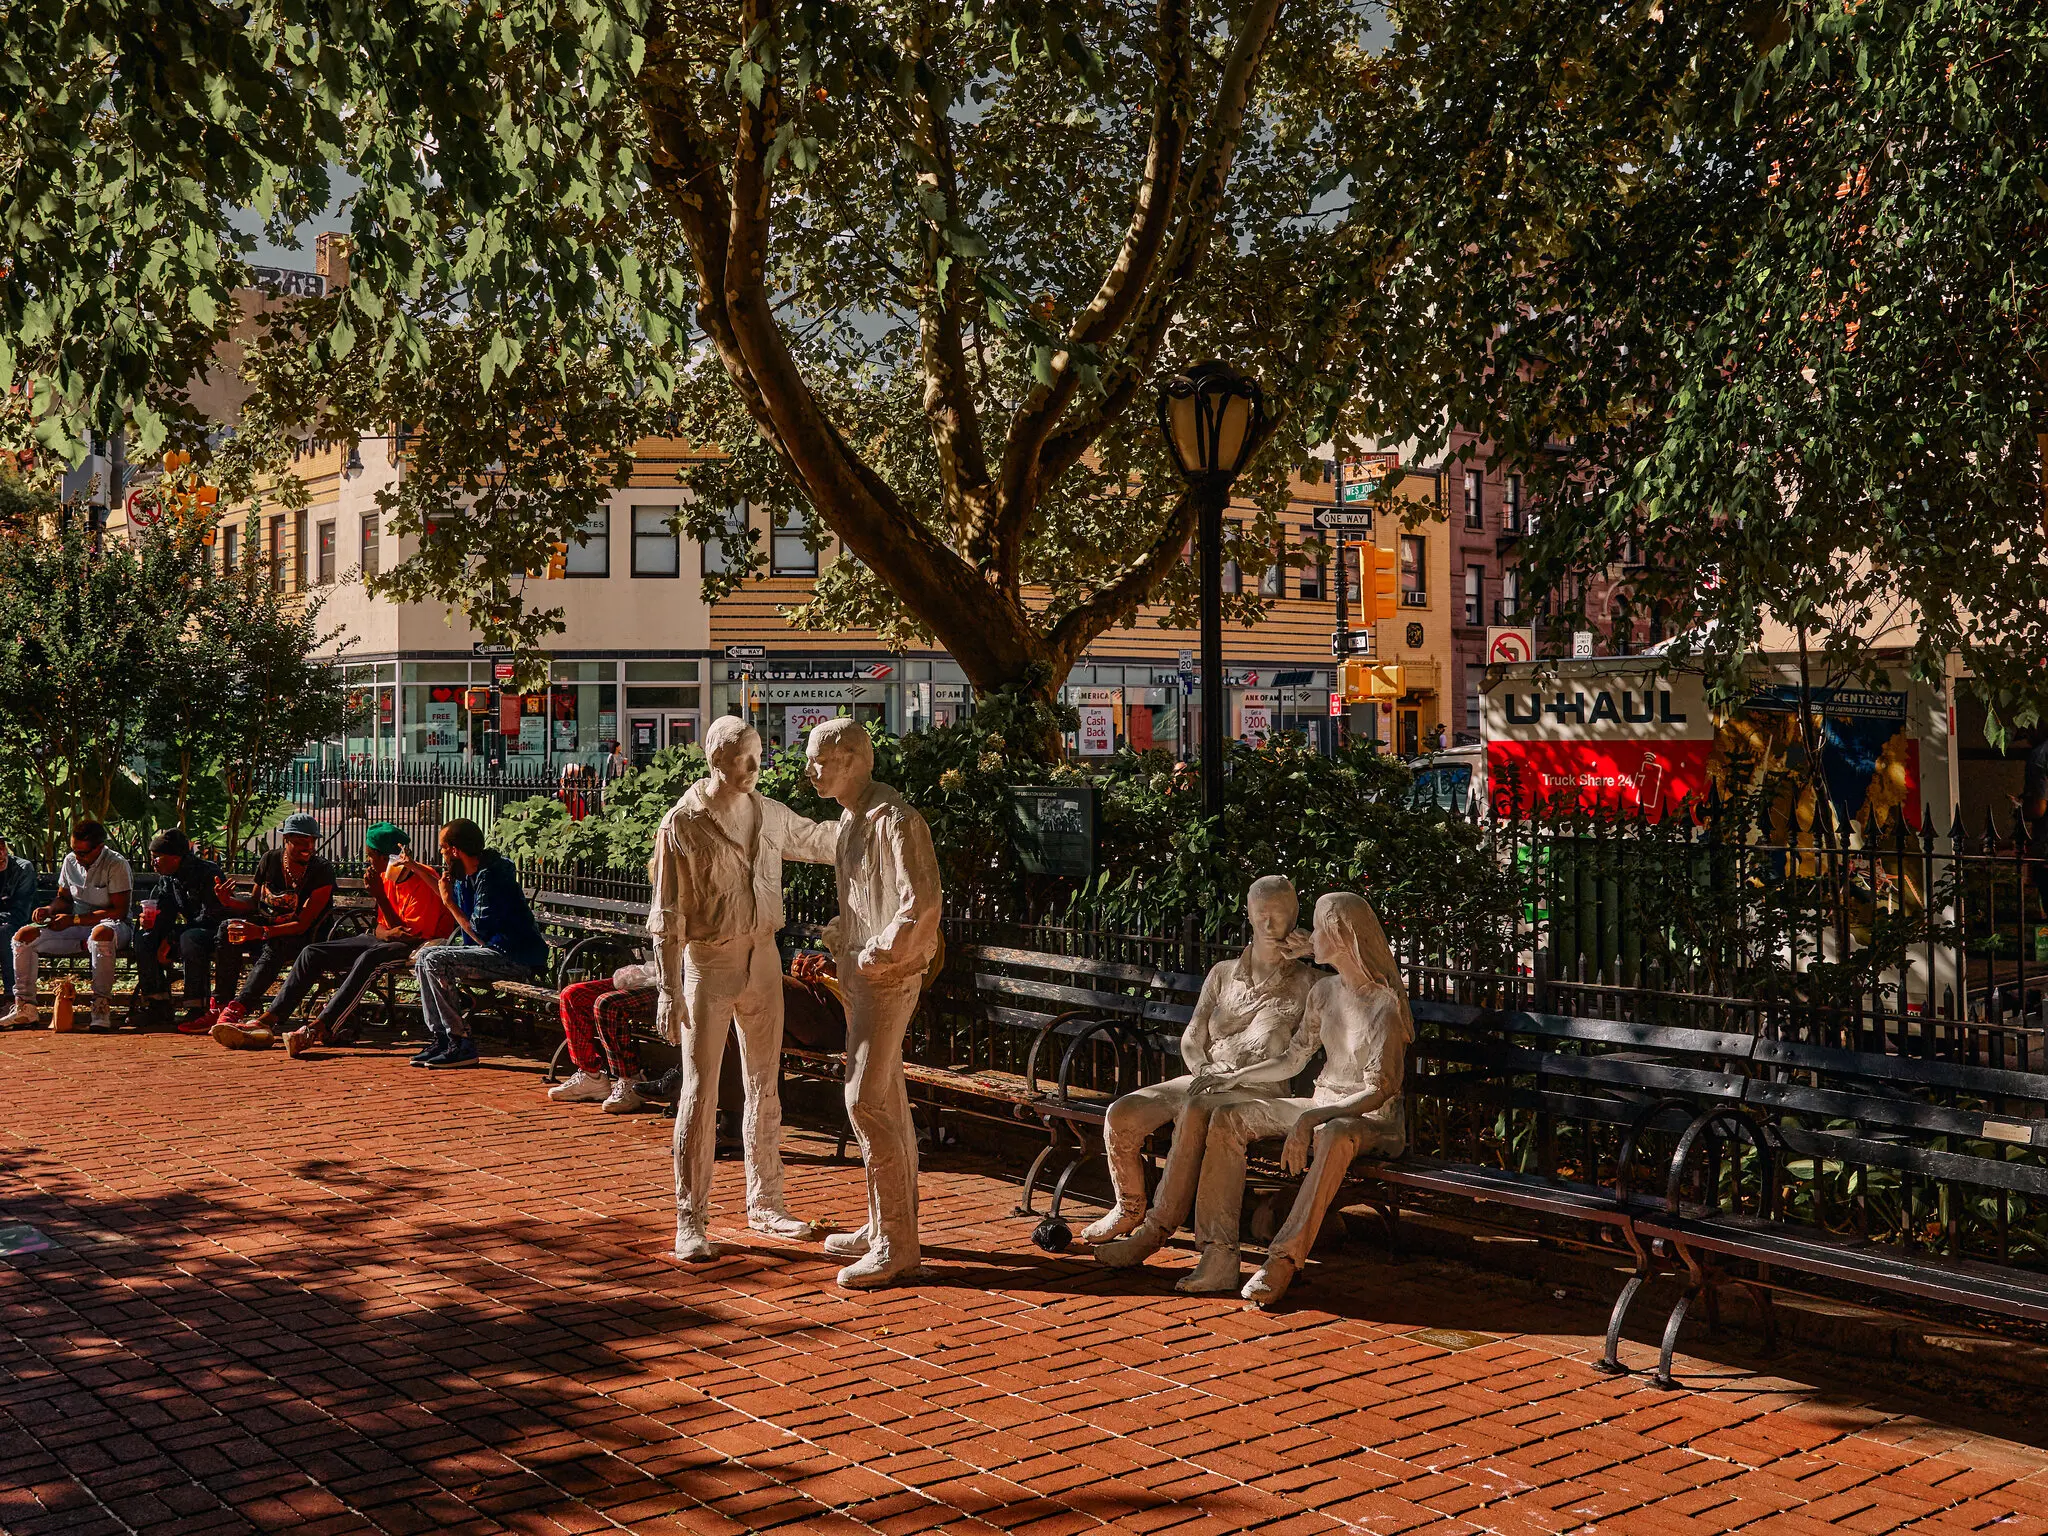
{"points": [[1367, 682], [558, 562], [1382, 596]]}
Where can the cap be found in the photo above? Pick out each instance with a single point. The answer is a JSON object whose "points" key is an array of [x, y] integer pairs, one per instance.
{"points": [[172, 840], [300, 824], [385, 838]]}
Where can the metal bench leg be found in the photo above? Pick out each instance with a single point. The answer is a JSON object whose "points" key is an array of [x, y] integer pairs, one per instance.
{"points": [[1082, 1157], [1024, 1205], [1675, 1322], [554, 1071], [1609, 1363]]}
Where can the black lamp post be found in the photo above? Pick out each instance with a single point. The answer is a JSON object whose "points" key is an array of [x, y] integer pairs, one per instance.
{"points": [[1212, 417]]}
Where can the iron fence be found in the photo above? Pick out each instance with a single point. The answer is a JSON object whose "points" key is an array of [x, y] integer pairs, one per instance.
{"points": [[422, 797]]}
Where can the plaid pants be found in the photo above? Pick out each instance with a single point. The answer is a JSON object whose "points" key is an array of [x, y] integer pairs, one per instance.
{"points": [[598, 1020]]}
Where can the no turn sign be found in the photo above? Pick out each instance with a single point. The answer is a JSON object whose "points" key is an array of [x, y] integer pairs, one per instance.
{"points": [[1510, 645]]}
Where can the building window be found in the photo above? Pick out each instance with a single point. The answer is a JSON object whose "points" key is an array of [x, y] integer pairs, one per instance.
{"points": [[656, 551], [1312, 579], [370, 549], [1233, 578], [1472, 718], [789, 553], [277, 554], [590, 553], [1510, 607], [324, 571], [1475, 594], [1414, 571], [1274, 582], [300, 551], [716, 561], [230, 547], [1511, 505], [1475, 505]]}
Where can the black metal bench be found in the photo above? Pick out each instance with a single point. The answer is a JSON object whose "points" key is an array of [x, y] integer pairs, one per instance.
{"points": [[1863, 1110]]}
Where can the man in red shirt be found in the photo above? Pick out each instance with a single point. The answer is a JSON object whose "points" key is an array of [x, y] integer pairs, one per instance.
{"points": [[409, 914]]}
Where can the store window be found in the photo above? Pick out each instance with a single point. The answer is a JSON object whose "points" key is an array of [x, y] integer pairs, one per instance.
{"points": [[716, 561], [590, 554], [656, 549], [370, 535], [325, 568], [789, 553]]}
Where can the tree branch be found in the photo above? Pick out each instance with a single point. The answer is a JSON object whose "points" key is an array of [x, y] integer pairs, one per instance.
{"points": [[1079, 625], [1121, 288], [1206, 188]]}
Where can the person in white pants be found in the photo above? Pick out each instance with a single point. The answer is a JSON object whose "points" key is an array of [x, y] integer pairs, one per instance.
{"points": [[89, 916], [884, 938], [1361, 1021], [1246, 1017], [717, 877]]}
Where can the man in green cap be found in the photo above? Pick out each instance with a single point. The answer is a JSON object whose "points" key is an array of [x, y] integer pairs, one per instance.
{"points": [[409, 914]]}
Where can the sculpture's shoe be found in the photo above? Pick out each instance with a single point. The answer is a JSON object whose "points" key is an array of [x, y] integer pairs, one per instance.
{"points": [[782, 1224], [694, 1248], [1127, 1252], [875, 1271], [1217, 1272], [1265, 1288], [847, 1245], [1119, 1220]]}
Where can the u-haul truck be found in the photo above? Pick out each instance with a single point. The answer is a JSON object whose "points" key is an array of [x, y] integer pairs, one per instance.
{"points": [[1635, 735]]}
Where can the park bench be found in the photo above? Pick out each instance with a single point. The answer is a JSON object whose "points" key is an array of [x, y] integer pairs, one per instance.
{"points": [[1871, 1111]]}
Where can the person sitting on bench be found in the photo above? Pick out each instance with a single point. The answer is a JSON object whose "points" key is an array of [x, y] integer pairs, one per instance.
{"points": [[409, 914], [88, 916], [294, 888], [499, 941], [180, 925], [17, 906], [598, 1020]]}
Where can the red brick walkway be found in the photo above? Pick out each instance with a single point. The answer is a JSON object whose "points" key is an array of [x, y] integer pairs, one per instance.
{"points": [[346, 1296]]}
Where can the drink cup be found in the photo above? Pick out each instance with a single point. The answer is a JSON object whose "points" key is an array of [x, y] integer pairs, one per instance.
{"points": [[149, 911], [235, 930]]}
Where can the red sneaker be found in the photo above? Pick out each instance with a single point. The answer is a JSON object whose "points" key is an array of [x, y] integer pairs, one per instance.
{"points": [[200, 1023]]}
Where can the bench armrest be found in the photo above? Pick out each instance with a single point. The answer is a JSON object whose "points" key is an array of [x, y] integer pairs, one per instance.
{"points": [[1751, 1128]]}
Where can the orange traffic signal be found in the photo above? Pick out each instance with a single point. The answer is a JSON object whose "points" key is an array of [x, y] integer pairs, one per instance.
{"points": [[558, 562], [1383, 586]]}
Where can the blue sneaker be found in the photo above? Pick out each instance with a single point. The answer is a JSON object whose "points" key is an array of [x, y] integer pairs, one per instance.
{"points": [[436, 1044], [460, 1053]]}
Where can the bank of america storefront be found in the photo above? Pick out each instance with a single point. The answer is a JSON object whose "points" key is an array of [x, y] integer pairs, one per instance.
{"points": [[453, 709]]}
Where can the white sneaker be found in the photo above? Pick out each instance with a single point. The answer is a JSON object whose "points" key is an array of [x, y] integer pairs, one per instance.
{"points": [[582, 1088], [781, 1224], [20, 1016], [102, 1019], [623, 1099], [695, 1248], [847, 1245], [875, 1271], [1121, 1220]]}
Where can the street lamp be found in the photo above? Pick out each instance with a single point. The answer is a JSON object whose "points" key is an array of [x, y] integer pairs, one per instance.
{"points": [[1212, 417]]}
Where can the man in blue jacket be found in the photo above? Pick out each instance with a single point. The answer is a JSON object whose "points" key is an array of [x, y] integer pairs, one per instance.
{"points": [[499, 941], [17, 906]]}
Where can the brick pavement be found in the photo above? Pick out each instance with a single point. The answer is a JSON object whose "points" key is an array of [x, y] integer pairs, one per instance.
{"points": [[338, 1295]]}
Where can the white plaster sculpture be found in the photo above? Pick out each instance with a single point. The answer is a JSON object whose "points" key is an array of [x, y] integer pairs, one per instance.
{"points": [[717, 906], [884, 938], [1246, 1020], [1360, 1019]]}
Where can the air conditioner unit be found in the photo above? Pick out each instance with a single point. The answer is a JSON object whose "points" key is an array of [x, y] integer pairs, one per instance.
{"points": [[1414, 599]]}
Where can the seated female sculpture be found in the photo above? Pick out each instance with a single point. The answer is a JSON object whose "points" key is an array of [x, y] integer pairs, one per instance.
{"points": [[1360, 1019], [1245, 1021]]}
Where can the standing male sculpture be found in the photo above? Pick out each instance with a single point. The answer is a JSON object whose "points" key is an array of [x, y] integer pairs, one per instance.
{"points": [[884, 937], [1361, 1021], [717, 878], [1247, 1017]]}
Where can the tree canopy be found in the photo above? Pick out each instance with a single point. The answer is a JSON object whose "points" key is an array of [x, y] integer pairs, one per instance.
{"points": [[1755, 289], [918, 267]]}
